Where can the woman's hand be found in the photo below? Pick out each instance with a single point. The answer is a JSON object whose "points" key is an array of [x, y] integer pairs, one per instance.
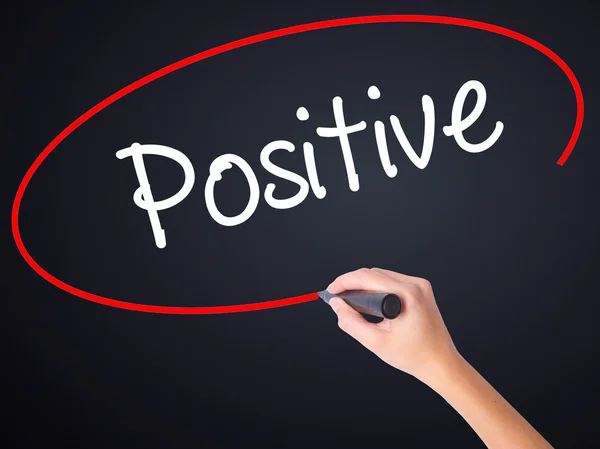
{"points": [[417, 341]]}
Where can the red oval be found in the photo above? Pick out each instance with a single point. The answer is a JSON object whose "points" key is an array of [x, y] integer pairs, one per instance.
{"points": [[231, 46]]}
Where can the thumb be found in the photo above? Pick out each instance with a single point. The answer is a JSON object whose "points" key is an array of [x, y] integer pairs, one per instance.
{"points": [[352, 322]]}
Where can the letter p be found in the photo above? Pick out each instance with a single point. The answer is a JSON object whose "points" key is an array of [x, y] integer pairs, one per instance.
{"points": [[142, 197]]}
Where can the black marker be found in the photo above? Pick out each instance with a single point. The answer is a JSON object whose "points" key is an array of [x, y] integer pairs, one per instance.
{"points": [[383, 305]]}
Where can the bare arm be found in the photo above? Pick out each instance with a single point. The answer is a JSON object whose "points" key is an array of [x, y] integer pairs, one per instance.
{"points": [[418, 343]]}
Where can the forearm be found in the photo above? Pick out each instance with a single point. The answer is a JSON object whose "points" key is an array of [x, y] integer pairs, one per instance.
{"points": [[496, 422], [418, 343]]}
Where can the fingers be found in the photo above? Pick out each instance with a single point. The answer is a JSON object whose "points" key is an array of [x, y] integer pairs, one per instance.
{"points": [[423, 284], [363, 279], [351, 322], [397, 276], [374, 280]]}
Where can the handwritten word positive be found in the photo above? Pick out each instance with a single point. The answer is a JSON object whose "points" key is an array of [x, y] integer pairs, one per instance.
{"points": [[144, 199]]}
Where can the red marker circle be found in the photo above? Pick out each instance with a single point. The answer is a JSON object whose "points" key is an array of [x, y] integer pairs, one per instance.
{"points": [[222, 49]]}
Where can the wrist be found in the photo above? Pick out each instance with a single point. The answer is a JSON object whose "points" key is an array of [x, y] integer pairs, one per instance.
{"points": [[445, 371]]}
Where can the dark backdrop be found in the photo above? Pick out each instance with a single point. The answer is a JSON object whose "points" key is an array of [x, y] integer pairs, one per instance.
{"points": [[507, 237]]}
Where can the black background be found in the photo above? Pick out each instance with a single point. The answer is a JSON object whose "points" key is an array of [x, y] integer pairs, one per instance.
{"points": [[507, 237]]}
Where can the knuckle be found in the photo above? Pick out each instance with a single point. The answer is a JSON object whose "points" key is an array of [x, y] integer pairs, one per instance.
{"points": [[425, 285], [412, 290], [343, 323], [364, 270]]}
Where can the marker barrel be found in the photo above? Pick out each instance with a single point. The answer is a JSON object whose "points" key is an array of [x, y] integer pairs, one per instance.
{"points": [[383, 305]]}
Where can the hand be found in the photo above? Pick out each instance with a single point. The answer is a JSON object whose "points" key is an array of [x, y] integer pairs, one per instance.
{"points": [[417, 341]]}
